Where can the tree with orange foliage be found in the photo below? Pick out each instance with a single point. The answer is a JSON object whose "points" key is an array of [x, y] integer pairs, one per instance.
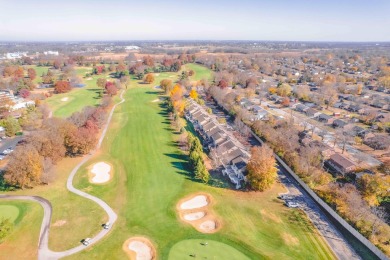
{"points": [[285, 102], [62, 86], [149, 78], [193, 94], [223, 84], [32, 74], [19, 73], [25, 167], [272, 90]]}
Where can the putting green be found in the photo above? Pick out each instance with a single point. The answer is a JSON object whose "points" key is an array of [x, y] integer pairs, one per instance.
{"points": [[197, 248], [9, 211]]}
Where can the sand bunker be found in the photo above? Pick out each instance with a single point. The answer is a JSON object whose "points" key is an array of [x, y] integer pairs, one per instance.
{"points": [[59, 223], [89, 78], [208, 226], [64, 99], [202, 220], [194, 216], [101, 172], [199, 201], [139, 248], [156, 100]]}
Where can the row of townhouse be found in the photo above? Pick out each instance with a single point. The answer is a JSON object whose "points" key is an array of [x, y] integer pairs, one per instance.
{"points": [[224, 148]]}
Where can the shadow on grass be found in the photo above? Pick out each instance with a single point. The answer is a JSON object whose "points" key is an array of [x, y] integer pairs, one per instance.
{"points": [[4, 186]]}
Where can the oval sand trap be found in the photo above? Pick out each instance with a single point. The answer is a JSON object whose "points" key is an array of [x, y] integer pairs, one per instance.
{"points": [[101, 172], [208, 226], [194, 216], [64, 99], [198, 201], [142, 250], [139, 248]]}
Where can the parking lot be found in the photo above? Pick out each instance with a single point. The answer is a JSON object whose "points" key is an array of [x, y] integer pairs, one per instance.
{"points": [[7, 146]]}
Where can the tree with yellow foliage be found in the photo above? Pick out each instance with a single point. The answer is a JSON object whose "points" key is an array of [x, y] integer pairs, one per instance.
{"points": [[193, 94], [262, 171], [176, 97]]}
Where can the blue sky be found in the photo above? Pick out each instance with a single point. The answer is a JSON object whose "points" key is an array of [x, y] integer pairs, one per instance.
{"points": [[291, 20]]}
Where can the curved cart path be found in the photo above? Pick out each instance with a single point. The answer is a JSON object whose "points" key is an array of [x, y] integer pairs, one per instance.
{"points": [[44, 252]]}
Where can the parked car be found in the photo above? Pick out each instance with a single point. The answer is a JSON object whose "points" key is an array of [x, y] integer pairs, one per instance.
{"points": [[86, 241], [292, 204], [2, 157], [285, 197]]}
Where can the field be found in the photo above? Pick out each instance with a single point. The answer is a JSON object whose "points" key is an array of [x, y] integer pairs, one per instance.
{"points": [[77, 98], [25, 232], [188, 249], [150, 177], [201, 72]]}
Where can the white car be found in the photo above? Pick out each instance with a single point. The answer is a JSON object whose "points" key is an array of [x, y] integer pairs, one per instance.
{"points": [[86, 241], [106, 225], [2, 157], [292, 204]]}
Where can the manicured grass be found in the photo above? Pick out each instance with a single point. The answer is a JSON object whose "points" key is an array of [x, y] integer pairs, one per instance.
{"points": [[201, 72], [74, 217], [9, 212], [196, 248], [78, 98], [23, 240], [39, 70], [150, 177]]}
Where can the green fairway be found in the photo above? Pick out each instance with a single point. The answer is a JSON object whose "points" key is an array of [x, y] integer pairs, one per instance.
{"points": [[25, 231], [151, 177], [39, 71], [9, 211], [197, 248], [201, 72], [63, 105]]}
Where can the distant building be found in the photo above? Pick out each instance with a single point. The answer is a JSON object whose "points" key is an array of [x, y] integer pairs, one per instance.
{"points": [[132, 47], [15, 55], [54, 53]]}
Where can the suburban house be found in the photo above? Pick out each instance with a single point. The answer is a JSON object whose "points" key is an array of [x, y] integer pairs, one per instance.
{"points": [[301, 108], [311, 112], [341, 164], [338, 123], [324, 118]]}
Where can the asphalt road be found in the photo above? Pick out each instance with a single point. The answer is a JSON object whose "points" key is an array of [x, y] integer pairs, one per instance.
{"points": [[44, 253], [334, 238]]}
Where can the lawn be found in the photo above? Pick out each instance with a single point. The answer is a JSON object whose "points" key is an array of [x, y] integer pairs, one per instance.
{"points": [[78, 98], [74, 218], [204, 249], [201, 72], [22, 242], [9, 212], [150, 177], [39, 71]]}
